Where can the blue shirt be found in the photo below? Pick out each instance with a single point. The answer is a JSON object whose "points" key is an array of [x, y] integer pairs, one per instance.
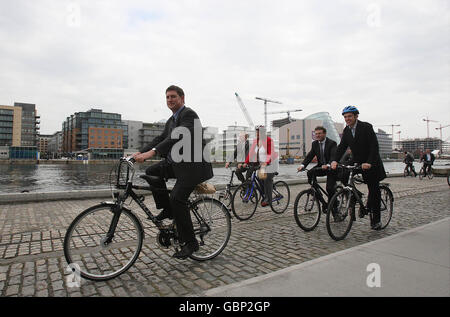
{"points": [[175, 115]]}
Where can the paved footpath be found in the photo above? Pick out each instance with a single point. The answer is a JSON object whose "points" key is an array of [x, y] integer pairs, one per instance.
{"points": [[32, 262]]}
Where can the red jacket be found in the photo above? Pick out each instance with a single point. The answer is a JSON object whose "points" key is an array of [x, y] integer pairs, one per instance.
{"points": [[270, 151]]}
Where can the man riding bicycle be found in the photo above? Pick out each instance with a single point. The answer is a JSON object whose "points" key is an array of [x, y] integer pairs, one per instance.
{"points": [[189, 169], [408, 160], [363, 142], [428, 160], [324, 149], [240, 153]]}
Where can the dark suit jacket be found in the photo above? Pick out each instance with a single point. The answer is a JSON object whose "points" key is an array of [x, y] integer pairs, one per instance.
{"points": [[364, 148], [243, 148], [424, 158], [189, 173], [330, 149]]}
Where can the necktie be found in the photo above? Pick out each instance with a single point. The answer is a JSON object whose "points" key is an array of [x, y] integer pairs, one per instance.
{"points": [[172, 126], [322, 155]]}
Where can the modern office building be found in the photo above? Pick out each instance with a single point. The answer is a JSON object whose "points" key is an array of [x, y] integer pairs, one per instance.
{"points": [[55, 144], [101, 134], [384, 143], [19, 125], [295, 138], [43, 141], [10, 126], [417, 146], [134, 128], [30, 124], [148, 132]]}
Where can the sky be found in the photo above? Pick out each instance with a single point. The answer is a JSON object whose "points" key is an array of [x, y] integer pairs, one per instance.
{"points": [[389, 58]]}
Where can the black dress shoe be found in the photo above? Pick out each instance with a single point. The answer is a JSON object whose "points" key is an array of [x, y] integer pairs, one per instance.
{"points": [[164, 214], [186, 250]]}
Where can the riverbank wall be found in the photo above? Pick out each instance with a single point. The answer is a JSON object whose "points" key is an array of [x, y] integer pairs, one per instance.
{"points": [[12, 198]]}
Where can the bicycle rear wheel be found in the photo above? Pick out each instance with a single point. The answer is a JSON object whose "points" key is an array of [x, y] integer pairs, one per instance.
{"points": [[281, 196], [387, 205], [421, 173], [85, 246], [244, 201], [338, 227], [307, 210], [212, 227]]}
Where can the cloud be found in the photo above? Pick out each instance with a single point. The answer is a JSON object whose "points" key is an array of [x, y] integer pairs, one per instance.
{"points": [[390, 59]]}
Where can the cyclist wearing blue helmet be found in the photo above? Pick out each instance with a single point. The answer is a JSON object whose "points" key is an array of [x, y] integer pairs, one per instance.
{"points": [[362, 140]]}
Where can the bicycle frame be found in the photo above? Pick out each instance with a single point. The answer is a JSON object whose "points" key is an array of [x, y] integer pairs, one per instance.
{"points": [[257, 184], [129, 192], [352, 187]]}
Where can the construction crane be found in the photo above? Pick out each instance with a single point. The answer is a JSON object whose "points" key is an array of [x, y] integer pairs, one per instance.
{"points": [[287, 111], [440, 128], [244, 110], [428, 126], [399, 132], [265, 107]]}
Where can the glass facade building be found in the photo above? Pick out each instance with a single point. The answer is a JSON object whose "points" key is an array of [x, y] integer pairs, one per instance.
{"points": [[328, 124], [94, 129]]}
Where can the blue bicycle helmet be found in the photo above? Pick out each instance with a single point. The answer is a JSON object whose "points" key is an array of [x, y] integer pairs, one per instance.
{"points": [[348, 109]]}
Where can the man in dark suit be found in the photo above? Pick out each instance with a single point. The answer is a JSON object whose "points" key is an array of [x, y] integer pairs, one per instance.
{"points": [[363, 142], [189, 168], [428, 160], [323, 148]]}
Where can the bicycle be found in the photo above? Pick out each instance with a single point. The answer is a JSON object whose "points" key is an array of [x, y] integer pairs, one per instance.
{"points": [[309, 204], [346, 199], [105, 240], [423, 172], [409, 170], [225, 195], [245, 198]]}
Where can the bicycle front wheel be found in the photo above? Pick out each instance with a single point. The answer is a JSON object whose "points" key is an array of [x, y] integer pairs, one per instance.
{"points": [[244, 201], [405, 172], [307, 210], [86, 244], [340, 214], [212, 227], [386, 206], [281, 196]]}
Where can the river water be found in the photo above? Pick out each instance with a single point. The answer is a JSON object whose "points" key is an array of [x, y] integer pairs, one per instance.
{"points": [[63, 177]]}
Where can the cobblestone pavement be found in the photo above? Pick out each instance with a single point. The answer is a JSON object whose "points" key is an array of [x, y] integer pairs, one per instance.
{"points": [[32, 261]]}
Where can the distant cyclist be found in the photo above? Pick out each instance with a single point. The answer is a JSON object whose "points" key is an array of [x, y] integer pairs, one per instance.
{"points": [[428, 160], [240, 154], [408, 160]]}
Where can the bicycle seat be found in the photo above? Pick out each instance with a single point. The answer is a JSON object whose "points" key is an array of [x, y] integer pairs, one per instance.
{"points": [[151, 179]]}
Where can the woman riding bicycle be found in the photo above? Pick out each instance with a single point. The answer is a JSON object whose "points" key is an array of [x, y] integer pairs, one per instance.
{"points": [[262, 155]]}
